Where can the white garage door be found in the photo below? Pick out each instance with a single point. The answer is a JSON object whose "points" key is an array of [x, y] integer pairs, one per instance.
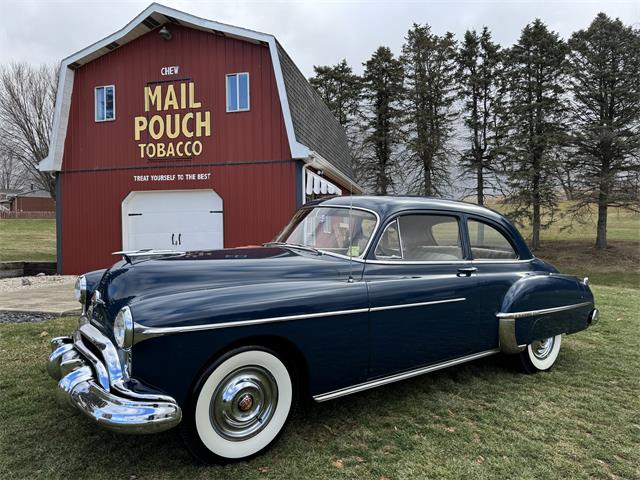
{"points": [[172, 220]]}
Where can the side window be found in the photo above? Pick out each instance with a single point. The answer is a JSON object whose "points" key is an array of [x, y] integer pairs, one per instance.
{"points": [[487, 243], [105, 103], [430, 238], [389, 244], [421, 238], [237, 92]]}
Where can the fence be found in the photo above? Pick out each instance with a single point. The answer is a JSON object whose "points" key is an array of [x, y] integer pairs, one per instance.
{"points": [[4, 214]]}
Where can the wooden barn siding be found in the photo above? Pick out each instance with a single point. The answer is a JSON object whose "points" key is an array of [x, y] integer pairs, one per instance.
{"points": [[258, 201], [100, 159], [258, 134]]}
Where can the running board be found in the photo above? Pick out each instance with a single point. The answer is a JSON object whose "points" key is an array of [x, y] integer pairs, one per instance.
{"points": [[401, 376]]}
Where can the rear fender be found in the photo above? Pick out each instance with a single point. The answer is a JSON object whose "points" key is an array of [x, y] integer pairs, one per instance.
{"points": [[541, 306]]}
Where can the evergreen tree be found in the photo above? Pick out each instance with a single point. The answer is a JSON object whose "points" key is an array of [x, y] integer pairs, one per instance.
{"points": [[340, 89], [429, 62], [534, 115], [479, 67], [605, 116], [382, 93]]}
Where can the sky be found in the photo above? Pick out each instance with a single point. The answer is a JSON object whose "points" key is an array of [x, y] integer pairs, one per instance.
{"points": [[312, 32]]}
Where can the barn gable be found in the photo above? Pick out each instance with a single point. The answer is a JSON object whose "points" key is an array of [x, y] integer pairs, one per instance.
{"points": [[313, 133]]}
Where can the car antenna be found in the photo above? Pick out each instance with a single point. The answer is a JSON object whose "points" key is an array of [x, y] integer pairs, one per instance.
{"points": [[350, 279]]}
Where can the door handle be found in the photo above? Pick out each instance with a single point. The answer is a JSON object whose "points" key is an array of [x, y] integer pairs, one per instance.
{"points": [[172, 240], [179, 239], [466, 271]]}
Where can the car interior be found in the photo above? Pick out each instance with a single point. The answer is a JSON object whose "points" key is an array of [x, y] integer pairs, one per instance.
{"points": [[437, 238]]}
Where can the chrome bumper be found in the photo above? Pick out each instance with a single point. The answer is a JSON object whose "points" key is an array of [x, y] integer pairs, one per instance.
{"points": [[82, 381]]}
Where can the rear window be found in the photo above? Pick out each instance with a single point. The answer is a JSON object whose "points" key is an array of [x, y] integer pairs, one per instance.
{"points": [[487, 243]]}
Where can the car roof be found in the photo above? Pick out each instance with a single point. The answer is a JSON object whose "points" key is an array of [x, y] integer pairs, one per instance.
{"points": [[389, 205]]}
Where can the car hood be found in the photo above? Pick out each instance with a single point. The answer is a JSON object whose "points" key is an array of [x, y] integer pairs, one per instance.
{"points": [[142, 279]]}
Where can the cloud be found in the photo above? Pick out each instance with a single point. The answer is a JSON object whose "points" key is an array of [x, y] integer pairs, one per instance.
{"points": [[314, 33]]}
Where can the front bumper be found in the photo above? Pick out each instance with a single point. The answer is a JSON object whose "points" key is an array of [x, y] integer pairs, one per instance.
{"points": [[96, 386]]}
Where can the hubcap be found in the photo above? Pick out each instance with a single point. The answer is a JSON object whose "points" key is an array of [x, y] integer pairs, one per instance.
{"points": [[243, 403], [542, 348]]}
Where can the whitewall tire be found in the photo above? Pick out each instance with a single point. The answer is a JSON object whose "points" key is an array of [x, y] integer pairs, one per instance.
{"points": [[240, 406], [541, 354]]}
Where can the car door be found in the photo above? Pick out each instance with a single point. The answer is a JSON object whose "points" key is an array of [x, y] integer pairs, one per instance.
{"points": [[497, 264], [422, 294]]}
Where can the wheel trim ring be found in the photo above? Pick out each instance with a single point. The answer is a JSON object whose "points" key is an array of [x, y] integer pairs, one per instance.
{"points": [[541, 349], [227, 417]]}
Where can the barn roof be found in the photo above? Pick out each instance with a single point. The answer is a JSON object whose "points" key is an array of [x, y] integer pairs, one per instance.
{"points": [[314, 134]]}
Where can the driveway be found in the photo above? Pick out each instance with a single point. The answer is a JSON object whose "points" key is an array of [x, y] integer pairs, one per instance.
{"points": [[51, 295]]}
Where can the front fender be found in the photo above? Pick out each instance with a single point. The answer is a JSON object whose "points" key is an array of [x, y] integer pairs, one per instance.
{"points": [[541, 306]]}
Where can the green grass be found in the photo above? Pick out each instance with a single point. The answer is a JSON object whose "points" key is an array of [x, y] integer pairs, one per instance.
{"points": [[479, 420], [622, 225], [22, 239]]}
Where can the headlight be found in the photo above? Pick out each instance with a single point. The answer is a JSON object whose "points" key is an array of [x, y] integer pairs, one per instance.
{"points": [[123, 328], [81, 289]]}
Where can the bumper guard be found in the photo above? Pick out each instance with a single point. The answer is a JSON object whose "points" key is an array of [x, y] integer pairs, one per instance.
{"points": [[116, 408]]}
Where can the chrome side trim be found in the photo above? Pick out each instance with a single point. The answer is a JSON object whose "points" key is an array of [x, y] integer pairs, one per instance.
{"points": [[418, 262], [142, 332], [443, 262], [420, 304], [544, 311], [401, 376]]}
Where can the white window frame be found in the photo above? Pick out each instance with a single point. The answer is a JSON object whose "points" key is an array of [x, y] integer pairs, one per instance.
{"points": [[226, 92], [95, 104]]}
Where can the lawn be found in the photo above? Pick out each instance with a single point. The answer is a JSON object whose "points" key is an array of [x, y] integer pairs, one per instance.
{"points": [[479, 420], [27, 239]]}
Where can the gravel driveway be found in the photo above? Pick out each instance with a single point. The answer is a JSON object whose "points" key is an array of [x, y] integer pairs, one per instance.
{"points": [[9, 286]]}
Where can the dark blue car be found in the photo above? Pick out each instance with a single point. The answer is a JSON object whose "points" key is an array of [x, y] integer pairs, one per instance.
{"points": [[353, 294]]}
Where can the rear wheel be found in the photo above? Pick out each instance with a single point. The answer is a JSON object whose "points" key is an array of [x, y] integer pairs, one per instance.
{"points": [[541, 354], [240, 406]]}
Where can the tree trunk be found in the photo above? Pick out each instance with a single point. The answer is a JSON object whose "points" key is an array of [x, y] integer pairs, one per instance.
{"points": [[603, 202], [601, 238], [427, 177], [480, 184], [535, 231]]}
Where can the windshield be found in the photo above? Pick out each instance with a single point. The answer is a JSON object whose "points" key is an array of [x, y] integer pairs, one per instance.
{"points": [[339, 230]]}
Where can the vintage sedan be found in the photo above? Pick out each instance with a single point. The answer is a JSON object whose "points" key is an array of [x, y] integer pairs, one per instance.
{"points": [[354, 293]]}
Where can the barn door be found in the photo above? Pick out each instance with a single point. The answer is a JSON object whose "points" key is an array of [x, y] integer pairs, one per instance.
{"points": [[182, 220]]}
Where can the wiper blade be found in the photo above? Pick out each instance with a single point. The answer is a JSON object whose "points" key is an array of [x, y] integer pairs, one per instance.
{"points": [[293, 245]]}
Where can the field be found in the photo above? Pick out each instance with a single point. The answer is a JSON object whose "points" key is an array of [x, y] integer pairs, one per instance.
{"points": [[27, 240], [479, 420]]}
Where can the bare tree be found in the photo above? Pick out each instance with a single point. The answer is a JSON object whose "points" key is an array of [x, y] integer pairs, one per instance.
{"points": [[27, 100], [11, 171]]}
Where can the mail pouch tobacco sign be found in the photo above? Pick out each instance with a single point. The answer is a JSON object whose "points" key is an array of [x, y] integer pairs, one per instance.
{"points": [[174, 123]]}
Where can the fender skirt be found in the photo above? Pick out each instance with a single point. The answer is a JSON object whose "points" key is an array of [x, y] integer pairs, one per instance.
{"points": [[542, 306]]}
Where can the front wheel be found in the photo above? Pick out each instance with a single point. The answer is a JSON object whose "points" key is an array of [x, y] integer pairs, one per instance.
{"points": [[541, 354], [240, 406]]}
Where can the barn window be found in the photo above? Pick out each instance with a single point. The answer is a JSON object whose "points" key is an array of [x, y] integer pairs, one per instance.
{"points": [[105, 103], [237, 92]]}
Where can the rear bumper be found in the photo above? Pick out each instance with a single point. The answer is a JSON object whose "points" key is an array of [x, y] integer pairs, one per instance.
{"points": [[116, 408]]}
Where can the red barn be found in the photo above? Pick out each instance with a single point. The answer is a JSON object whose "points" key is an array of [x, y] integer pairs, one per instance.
{"points": [[182, 133]]}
